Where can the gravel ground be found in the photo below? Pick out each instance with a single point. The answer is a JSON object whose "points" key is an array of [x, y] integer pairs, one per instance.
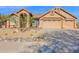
{"points": [[51, 41], [61, 41]]}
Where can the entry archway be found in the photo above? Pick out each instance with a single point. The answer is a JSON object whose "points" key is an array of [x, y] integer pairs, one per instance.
{"points": [[23, 20]]}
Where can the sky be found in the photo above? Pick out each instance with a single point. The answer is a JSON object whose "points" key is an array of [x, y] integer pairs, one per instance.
{"points": [[38, 9]]}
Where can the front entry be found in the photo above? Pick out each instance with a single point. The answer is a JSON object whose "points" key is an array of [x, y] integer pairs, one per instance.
{"points": [[23, 20]]}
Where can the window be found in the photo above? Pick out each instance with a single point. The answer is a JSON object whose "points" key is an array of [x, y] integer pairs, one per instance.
{"points": [[35, 22]]}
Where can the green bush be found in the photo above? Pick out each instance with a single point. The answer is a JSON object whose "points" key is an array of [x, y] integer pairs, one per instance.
{"points": [[77, 24]]}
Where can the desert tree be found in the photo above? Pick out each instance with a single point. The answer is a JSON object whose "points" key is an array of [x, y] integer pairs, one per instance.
{"points": [[3, 19], [77, 24]]}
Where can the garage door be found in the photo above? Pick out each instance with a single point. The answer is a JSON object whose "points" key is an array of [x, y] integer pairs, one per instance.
{"points": [[69, 24], [51, 23]]}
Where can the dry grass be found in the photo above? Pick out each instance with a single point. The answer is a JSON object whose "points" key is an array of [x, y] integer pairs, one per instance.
{"points": [[15, 33], [24, 45]]}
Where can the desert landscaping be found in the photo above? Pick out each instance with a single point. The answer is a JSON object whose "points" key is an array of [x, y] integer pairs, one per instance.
{"points": [[39, 41], [13, 40]]}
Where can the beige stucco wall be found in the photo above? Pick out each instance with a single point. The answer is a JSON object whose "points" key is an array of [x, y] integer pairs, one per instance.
{"points": [[53, 15], [64, 13], [10, 24], [62, 24], [68, 24], [50, 24]]}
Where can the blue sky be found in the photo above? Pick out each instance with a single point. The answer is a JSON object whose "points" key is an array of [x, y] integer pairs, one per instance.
{"points": [[38, 9]]}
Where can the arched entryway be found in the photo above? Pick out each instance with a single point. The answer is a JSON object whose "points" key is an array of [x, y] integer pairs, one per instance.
{"points": [[23, 20]]}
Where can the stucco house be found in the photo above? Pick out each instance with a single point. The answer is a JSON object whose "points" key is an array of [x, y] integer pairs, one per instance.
{"points": [[56, 18]]}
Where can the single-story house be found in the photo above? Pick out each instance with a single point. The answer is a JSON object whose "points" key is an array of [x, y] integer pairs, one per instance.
{"points": [[56, 18]]}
